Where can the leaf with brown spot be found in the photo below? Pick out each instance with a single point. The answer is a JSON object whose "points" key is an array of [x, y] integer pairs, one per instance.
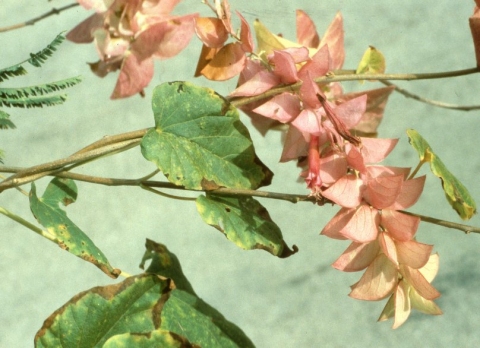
{"points": [[199, 141], [245, 222], [67, 235]]}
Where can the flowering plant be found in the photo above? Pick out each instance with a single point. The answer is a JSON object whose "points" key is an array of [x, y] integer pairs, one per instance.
{"points": [[200, 144]]}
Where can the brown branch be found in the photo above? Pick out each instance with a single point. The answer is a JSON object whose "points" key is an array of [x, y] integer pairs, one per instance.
{"points": [[32, 21], [430, 101], [465, 228]]}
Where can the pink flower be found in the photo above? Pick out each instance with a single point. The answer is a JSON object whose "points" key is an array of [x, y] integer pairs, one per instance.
{"points": [[128, 34]]}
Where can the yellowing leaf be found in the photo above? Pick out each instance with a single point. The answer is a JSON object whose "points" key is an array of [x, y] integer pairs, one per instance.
{"points": [[372, 62], [457, 194], [268, 42]]}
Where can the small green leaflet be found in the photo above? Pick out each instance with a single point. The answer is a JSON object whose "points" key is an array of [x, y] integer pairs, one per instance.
{"points": [[245, 222], [457, 195], [199, 142], [67, 235], [372, 62], [147, 310]]}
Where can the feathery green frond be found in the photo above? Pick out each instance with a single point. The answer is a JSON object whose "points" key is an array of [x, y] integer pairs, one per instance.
{"points": [[33, 91], [33, 102], [5, 122], [37, 59], [15, 70]]}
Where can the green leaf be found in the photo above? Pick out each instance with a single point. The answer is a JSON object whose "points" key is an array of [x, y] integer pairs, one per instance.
{"points": [[5, 122], [12, 71], [156, 338], [38, 90], [66, 234], [147, 310], [457, 195], [372, 62], [90, 318], [199, 142], [245, 222], [185, 313]]}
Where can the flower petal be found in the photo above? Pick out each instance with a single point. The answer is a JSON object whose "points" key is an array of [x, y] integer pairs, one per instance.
{"points": [[418, 281], [211, 31], [402, 304], [388, 247], [374, 150], [83, 32], [363, 225], [283, 107], [259, 83], [346, 192], [350, 112], [381, 192], [357, 257], [413, 253], [284, 67], [306, 32], [377, 282], [409, 194], [296, 145], [333, 38], [401, 226], [337, 223], [135, 75], [227, 63]]}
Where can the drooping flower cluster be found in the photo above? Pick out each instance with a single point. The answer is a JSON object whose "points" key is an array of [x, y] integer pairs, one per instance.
{"points": [[128, 34], [343, 168]]}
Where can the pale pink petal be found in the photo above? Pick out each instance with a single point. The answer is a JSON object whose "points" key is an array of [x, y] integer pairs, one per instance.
{"points": [[252, 68], [299, 54], [351, 111], [165, 39], [306, 32], [333, 38], [83, 32], [388, 247], [346, 192], [381, 192], [211, 31], [375, 171], [284, 67], [401, 226], [413, 253], [402, 304], [409, 194], [376, 102], [309, 92], [377, 282], [283, 107], [135, 75], [162, 8], [317, 66], [107, 46], [332, 167], [308, 122], [355, 158], [430, 270], [296, 145], [357, 257], [337, 223], [226, 64], [418, 281], [245, 34], [375, 150], [363, 225], [259, 83]]}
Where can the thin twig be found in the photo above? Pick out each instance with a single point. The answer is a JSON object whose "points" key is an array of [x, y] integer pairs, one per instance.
{"points": [[351, 77], [27, 224], [32, 21], [431, 101], [465, 228], [33, 173]]}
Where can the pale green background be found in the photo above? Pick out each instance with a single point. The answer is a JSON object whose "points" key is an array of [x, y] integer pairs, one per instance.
{"points": [[296, 302]]}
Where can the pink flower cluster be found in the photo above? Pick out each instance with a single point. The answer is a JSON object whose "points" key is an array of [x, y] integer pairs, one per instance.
{"points": [[344, 169], [128, 34]]}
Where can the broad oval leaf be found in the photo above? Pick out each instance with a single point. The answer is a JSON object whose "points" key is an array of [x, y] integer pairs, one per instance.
{"points": [[66, 234], [457, 194], [199, 142], [373, 62], [245, 222]]}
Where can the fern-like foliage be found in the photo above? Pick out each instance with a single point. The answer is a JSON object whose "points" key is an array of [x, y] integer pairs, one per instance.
{"points": [[5, 122], [37, 59], [36, 96], [16, 70]]}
